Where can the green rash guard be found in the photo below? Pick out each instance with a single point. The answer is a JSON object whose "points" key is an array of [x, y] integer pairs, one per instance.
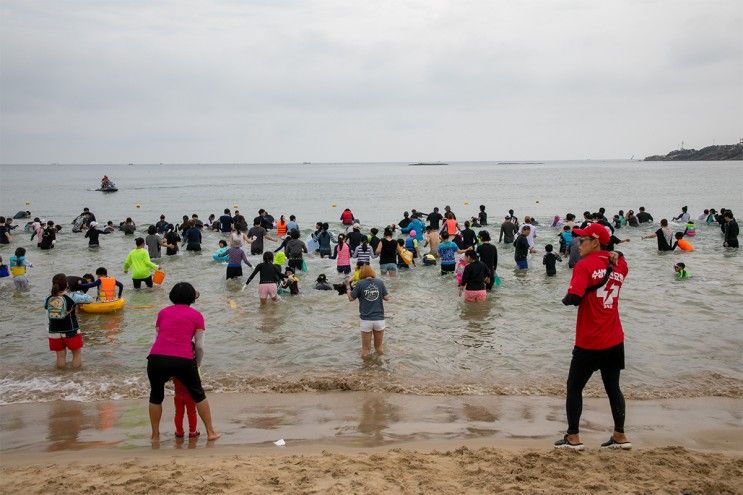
{"points": [[139, 261]]}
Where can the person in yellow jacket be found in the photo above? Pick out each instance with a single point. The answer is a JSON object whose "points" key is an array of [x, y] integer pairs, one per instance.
{"points": [[139, 261]]}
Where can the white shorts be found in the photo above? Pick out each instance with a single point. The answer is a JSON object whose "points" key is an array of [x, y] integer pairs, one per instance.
{"points": [[369, 325]]}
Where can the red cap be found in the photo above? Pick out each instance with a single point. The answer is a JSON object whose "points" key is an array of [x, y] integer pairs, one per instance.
{"points": [[595, 230]]}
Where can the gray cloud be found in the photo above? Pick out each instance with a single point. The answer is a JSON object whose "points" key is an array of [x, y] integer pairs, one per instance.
{"points": [[86, 81]]}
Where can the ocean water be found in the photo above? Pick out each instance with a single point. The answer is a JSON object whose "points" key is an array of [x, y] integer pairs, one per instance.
{"points": [[683, 338]]}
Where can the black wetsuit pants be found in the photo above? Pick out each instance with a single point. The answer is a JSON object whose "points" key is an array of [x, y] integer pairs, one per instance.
{"points": [[584, 363]]}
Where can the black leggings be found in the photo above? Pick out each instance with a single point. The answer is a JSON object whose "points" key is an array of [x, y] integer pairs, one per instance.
{"points": [[160, 369], [138, 282], [584, 363]]}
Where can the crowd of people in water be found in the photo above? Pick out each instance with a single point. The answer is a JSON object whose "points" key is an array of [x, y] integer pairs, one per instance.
{"points": [[427, 239]]}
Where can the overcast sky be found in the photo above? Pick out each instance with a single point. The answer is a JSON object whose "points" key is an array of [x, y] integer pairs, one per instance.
{"points": [[285, 81]]}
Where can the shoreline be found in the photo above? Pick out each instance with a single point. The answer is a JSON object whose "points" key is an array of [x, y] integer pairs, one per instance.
{"points": [[364, 420], [362, 442]]}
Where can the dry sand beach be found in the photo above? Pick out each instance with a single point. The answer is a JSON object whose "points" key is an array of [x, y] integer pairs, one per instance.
{"points": [[371, 443]]}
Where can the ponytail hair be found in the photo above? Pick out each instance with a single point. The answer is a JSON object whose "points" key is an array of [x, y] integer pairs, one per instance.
{"points": [[59, 284]]}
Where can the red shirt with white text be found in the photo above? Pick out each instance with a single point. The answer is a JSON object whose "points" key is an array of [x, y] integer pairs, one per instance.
{"points": [[598, 326]]}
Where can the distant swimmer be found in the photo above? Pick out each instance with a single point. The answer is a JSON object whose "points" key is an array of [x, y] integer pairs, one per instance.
{"points": [[681, 243], [680, 270], [93, 232], [684, 216], [663, 235], [643, 216], [731, 230]]}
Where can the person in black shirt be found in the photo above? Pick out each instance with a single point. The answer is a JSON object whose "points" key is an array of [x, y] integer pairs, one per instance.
{"points": [[270, 276], [522, 248], [643, 216], [482, 217], [434, 218], [488, 254], [550, 260], [469, 238], [405, 220], [373, 239], [474, 278], [663, 235], [731, 230], [354, 237], [93, 234], [507, 231]]}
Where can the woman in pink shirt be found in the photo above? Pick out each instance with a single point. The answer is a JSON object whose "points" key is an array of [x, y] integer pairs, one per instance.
{"points": [[342, 253], [180, 330]]}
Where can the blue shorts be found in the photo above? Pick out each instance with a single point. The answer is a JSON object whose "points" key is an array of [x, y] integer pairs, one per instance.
{"points": [[387, 267], [522, 265]]}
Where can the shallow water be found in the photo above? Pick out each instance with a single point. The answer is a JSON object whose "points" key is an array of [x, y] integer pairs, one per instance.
{"points": [[683, 338]]}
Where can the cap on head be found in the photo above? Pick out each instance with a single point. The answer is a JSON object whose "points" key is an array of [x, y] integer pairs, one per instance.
{"points": [[595, 230]]}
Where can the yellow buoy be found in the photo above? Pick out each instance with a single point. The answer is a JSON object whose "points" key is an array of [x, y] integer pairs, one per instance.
{"points": [[233, 304], [235, 205], [137, 205], [28, 203], [332, 205], [466, 203]]}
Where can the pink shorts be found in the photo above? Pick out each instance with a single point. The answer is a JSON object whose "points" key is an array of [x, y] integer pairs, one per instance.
{"points": [[475, 295], [267, 290]]}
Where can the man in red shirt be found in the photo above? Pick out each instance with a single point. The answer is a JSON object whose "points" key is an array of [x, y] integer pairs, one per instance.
{"points": [[599, 339]]}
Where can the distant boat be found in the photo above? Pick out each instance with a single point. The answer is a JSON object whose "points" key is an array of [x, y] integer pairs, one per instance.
{"points": [[130, 164], [306, 163], [427, 164], [110, 187]]}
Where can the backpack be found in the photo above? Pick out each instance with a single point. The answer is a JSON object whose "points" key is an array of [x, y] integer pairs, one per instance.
{"points": [[56, 308]]}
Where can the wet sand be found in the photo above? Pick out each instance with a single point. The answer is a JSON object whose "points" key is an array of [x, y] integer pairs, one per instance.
{"points": [[368, 442]]}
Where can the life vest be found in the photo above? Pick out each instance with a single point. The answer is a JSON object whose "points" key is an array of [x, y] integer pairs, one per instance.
{"points": [[107, 290], [281, 228], [410, 244], [691, 230], [347, 217], [685, 245], [17, 267], [451, 226]]}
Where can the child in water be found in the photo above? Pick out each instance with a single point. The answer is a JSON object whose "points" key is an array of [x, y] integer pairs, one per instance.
{"points": [[680, 270], [322, 283], [682, 243], [18, 265], [291, 282], [566, 238], [550, 260], [4, 271]]}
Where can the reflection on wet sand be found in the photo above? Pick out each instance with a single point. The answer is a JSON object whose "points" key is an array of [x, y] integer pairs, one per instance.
{"points": [[375, 415], [67, 420]]}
